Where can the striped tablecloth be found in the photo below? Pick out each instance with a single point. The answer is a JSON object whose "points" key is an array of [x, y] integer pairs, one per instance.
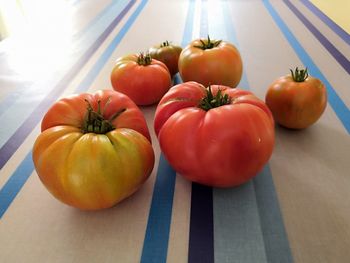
{"points": [[296, 209]]}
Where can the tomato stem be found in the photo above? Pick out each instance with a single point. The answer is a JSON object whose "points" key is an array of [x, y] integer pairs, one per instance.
{"points": [[144, 59], [299, 75], [94, 120], [208, 43], [209, 101], [165, 44]]}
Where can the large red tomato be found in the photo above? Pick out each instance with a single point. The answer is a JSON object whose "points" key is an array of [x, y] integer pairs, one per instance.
{"points": [[297, 100], [94, 150], [218, 136], [167, 53], [208, 62], [143, 79]]}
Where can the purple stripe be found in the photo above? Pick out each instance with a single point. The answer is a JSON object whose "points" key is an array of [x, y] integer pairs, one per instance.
{"points": [[329, 22], [9, 148], [201, 243], [337, 55]]}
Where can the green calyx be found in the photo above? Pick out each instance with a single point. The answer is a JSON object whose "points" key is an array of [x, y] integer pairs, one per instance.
{"points": [[144, 59], [209, 101], [165, 44], [95, 122], [299, 75], [208, 44]]}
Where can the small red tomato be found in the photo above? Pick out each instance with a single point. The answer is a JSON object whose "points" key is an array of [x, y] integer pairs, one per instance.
{"points": [[167, 53], [208, 61], [297, 100], [143, 79]]}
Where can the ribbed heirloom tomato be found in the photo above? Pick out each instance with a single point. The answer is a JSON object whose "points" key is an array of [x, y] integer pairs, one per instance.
{"points": [[94, 149], [143, 79], [297, 100], [208, 62], [168, 53], [217, 136]]}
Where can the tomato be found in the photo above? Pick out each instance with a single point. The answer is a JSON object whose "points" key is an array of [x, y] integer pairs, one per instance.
{"points": [[94, 150], [211, 62], [297, 100], [143, 79], [167, 53], [216, 136]]}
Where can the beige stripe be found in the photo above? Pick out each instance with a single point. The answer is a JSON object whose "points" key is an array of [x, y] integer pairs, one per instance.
{"points": [[180, 222]]}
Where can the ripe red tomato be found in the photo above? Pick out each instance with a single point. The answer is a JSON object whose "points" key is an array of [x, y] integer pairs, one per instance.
{"points": [[94, 150], [208, 62], [219, 136], [297, 100], [167, 53], [143, 79]]}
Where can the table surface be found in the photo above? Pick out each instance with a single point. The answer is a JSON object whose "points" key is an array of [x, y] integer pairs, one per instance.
{"points": [[296, 209]]}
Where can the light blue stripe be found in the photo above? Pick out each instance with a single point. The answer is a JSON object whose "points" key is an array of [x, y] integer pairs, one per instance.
{"points": [[155, 245], [10, 190], [203, 30], [339, 107], [275, 236], [231, 34], [17, 106], [237, 229], [187, 35]]}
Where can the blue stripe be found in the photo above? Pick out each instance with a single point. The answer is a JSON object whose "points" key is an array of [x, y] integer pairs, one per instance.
{"points": [[330, 23], [12, 187], [341, 110], [20, 176], [337, 55], [95, 70], [155, 245]]}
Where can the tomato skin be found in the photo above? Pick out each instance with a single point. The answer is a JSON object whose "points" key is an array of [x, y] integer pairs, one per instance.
{"points": [[218, 65], [87, 170], [296, 105], [222, 147], [168, 54], [144, 84]]}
